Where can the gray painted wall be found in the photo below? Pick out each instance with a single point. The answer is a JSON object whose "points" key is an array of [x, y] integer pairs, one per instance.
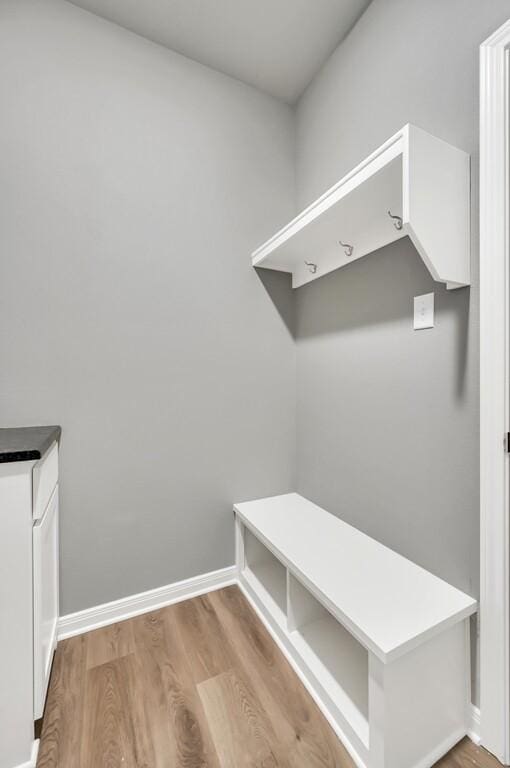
{"points": [[135, 183], [387, 418]]}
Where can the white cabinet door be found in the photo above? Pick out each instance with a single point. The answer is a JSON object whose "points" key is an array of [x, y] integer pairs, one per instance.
{"points": [[45, 554]]}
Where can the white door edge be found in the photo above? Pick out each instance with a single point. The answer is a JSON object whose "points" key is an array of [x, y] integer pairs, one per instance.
{"points": [[494, 399]]}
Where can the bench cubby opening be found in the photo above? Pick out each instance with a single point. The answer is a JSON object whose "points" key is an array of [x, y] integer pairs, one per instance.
{"points": [[332, 655], [266, 575]]}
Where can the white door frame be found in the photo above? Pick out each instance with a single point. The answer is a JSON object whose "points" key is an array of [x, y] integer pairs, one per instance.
{"points": [[494, 395]]}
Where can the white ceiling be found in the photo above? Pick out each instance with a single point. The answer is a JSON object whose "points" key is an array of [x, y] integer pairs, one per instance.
{"points": [[275, 45]]}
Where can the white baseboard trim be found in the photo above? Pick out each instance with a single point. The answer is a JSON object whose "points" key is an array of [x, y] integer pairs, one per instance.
{"points": [[433, 757], [127, 607], [474, 724], [33, 756]]}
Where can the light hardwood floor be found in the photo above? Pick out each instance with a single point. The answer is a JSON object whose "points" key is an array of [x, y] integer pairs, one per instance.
{"points": [[200, 684]]}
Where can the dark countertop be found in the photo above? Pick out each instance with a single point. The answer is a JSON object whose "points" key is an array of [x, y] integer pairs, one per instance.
{"points": [[26, 443]]}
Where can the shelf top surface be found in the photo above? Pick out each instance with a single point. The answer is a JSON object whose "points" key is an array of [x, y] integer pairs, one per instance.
{"points": [[387, 602]]}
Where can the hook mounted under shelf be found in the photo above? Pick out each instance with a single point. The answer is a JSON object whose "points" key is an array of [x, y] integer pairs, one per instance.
{"points": [[311, 267], [348, 249], [397, 220]]}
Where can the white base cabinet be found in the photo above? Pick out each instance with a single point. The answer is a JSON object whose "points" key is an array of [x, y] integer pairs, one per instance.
{"points": [[16, 641], [45, 599], [391, 676], [29, 567]]}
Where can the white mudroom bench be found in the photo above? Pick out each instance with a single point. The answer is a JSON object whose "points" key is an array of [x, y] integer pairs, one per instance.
{"points": [[381, 643]]}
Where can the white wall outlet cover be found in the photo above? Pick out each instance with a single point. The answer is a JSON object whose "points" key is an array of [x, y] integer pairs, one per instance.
{"points": [[424, 311]]}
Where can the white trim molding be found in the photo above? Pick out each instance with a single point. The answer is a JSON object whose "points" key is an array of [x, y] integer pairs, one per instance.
{"points": [[127, 607], [494, 399], [33, 756], [473, 724]]}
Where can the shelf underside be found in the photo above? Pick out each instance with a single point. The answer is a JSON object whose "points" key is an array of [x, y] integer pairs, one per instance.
{"points": [[414, 176], [359, 219]]}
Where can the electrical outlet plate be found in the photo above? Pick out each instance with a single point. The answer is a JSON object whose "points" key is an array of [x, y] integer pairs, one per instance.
{"points": [[424, 311]]}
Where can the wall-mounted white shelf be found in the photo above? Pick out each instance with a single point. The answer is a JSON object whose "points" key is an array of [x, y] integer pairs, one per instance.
{"points": [[421, 180], [381, 644]]}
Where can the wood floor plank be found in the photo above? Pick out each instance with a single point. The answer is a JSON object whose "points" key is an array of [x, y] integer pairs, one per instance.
{"points": [[179, 729], [61, 735], [106, 736], [109, 643], [138, 711], [200, 684], [239, 727], [109, 736], [204, 638], [468, 755]]}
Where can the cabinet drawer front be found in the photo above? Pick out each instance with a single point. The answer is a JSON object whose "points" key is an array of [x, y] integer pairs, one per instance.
{"points": [[44, 480], [45, 604]]}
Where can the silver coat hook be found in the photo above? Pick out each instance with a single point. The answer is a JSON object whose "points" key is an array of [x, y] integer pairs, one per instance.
{"points": [[311, 267], [397, 220], [348, 249]]}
